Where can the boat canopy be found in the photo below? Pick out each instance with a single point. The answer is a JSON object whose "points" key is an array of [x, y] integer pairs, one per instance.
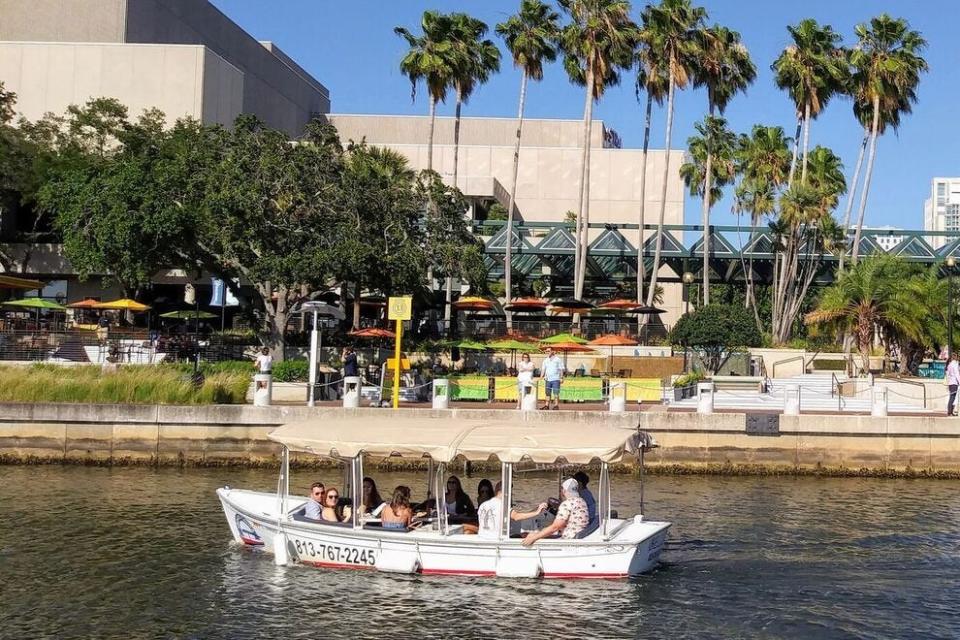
{"points": [[443, 439]]}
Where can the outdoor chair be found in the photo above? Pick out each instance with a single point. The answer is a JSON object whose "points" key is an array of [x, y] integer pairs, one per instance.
{"points": [[595, 373], [625, 373]]}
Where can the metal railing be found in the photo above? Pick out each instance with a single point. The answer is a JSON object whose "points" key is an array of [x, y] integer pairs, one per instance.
{"points": [[910, 382], [793, 359]]}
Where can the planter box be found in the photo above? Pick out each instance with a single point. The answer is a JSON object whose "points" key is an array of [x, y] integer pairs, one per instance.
{"points": [[682, 393]]}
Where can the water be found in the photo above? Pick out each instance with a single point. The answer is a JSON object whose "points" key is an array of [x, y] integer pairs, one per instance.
{"points": [[141, 553]]}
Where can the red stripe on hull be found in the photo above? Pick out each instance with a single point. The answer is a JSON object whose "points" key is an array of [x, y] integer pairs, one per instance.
{"points": [[336, 565], [252, 542]]}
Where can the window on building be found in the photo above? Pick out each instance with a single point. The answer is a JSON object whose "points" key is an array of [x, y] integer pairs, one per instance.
{"points": [[55, 291], [951, 221], [941, 193]]}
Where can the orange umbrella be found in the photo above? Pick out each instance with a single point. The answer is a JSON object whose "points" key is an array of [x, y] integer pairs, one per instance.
{"points": [[373, 332], [568, 347], [473, 303], [620, 304], [86, 303], [612, 340], [530, 305]]}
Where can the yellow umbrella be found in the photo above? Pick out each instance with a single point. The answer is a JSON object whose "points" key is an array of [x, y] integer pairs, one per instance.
{"points": [[124, 304]]}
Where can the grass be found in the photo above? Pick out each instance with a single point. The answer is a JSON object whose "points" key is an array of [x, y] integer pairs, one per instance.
{"points": [[131, 384]]}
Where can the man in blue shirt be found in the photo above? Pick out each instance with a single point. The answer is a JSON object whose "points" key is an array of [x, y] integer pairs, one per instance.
{"points": [[583, 479], [314, 506], [553, 376]]}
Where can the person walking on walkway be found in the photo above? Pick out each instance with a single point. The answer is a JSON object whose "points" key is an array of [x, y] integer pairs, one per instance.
{"points": [[553, 376], [953, 381]]}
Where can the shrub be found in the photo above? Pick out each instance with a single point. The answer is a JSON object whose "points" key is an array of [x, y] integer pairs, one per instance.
{"points": [[688, 379], [291, 371], [715, 330], [497, 212]]}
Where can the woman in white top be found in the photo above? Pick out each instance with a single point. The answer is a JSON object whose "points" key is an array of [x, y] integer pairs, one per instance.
{"points": [[524, 376]]}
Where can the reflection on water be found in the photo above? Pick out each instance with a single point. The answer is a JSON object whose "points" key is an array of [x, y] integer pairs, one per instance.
{"points": [[141, 553]]}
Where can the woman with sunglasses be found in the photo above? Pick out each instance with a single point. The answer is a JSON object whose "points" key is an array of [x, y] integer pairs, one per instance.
{"points": [[457, 503], [332, 511]]}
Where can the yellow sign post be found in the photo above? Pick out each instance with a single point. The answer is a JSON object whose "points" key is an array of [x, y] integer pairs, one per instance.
{"points": [[398, 309]]}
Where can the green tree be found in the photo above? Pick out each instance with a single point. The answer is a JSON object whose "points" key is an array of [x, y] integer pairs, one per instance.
{"points": [[724, 68], [812, 70], [598, 43], [716, 331], [887, 66], [531, 37], [670, 32], [431, 59]]}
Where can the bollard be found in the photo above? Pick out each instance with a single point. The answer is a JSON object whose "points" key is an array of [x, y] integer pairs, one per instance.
{"points": [[351, 392], [705, 393], [791, 400], [262, 389], [879, 408], [529, 400], [441, 393], [618, 397]]}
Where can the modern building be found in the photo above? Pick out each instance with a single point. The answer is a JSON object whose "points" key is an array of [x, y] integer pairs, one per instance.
{"points": [[183, 57], [886, 237], [941, 211]]}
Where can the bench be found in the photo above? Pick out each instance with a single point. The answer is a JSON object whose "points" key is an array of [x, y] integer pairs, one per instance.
{"points": [[743, 383]]}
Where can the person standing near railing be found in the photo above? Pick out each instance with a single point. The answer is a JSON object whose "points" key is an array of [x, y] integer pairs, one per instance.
{"points": [[953, 382]]}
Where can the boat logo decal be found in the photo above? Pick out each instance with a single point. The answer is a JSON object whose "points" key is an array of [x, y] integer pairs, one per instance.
{"points": [[247, 533]]}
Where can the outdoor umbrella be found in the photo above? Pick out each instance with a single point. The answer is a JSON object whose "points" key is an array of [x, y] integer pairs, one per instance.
{"points": [[373, 333], [612, 341], [514, 347], [620, 305], [649, 311], [473, 303], [86, 303], [527, 305], [561, 338], [568, 347], [186, 314], [570, 305], [35, 303], [123, 304], [469, 345]]}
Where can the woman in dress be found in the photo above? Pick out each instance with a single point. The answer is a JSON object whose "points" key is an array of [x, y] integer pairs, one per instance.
{"points": [[524, 376]]}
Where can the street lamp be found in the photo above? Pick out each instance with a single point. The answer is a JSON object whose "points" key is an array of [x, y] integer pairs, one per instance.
{"points": [[951, 263], [319, 309], [687, 280]]}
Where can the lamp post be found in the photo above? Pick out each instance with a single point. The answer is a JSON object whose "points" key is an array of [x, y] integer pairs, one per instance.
{"points": [[687, 280], [318, 309], [951, 263]]}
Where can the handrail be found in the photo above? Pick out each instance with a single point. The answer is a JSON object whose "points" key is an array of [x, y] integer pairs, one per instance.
{"points": [[834, 380], [913, 382], [793, 359]]}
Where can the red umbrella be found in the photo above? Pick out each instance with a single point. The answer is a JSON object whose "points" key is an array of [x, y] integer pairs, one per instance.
{"points": [[620, 304], [373, 332], [473, 303], [527, 305]]}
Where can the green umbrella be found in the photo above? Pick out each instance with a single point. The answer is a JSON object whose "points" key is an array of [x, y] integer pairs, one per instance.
{"points": [[36, 303], [185, 314], [563, 337], [512, 345], [469, 345]]}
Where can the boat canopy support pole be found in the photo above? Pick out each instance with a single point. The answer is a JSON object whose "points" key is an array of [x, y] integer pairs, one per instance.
{"points": [[440, 499], [506, 482], [642, 450], [357, 493], [604, 506]]}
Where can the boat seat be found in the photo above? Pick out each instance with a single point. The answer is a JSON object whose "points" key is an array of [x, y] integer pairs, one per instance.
{"points": [[378, 526], [588, 530]]}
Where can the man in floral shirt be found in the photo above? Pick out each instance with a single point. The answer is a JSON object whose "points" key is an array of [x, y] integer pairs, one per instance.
{"points": [[572, 516]]}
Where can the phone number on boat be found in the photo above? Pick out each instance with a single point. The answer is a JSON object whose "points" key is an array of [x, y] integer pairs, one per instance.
{"points": [[335, 553]]}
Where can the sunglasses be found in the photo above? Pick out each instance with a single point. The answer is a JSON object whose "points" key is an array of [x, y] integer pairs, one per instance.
{"points": [[333, 495]]}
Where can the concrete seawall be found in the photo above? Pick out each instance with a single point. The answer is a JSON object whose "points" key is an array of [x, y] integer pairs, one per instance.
{"points": [[725, 442]]}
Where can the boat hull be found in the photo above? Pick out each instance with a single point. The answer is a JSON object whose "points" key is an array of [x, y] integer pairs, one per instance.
{"points": [[633, 546]]}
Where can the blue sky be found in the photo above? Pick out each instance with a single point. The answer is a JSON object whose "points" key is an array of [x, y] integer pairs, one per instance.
{"points": [[350, 47]]}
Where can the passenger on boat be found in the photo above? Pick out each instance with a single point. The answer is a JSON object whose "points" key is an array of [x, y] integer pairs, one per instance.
{"points": [[490, 515], [484, 491], [457, 502], [582, 480], [314, 505], [332, 511], [371, 502], [572, 517], [398, 514]]}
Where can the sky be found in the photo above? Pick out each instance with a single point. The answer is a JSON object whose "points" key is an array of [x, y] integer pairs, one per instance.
{"points": [[350, 47]]}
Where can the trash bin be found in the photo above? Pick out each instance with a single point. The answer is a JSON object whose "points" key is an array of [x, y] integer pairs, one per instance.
{"points": [[618, 397], [791, 400], [705, 393], [262, 389], [351, 392], [879, 397], [441, 393], [528, 402]]}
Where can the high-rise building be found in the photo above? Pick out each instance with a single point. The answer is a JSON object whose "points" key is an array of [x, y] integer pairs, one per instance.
{"points": [[941, 211], [183, 57]]}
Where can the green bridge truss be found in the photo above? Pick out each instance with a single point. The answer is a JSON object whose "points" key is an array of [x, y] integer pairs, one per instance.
{"points": [[612, 259]]}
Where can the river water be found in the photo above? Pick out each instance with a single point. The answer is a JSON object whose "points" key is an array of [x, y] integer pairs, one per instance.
{"points": [[144, 553]]}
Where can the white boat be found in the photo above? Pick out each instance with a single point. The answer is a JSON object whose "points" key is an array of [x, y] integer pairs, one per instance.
{"points": [[615, 548]]}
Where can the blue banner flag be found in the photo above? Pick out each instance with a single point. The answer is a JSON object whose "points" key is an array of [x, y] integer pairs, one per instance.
{"points": [[221, 295]]}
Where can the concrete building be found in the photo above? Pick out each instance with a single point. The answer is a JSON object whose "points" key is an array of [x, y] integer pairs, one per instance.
{"points": [[889, 238], [182, 56], [941, 211], [549, 176]]}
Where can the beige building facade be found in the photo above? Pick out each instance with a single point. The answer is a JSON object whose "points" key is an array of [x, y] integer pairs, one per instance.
{"points": [[182, 56]]}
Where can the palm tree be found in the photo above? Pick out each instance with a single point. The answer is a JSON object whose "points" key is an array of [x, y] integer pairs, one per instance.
{"points": [[652, 79], [868, 300], [530, 37], [763, 163], [476, 60], [597, 44], [711, 167], [431, 59], [669, 30], [886, 72], [812, 71], [725, 69]]}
